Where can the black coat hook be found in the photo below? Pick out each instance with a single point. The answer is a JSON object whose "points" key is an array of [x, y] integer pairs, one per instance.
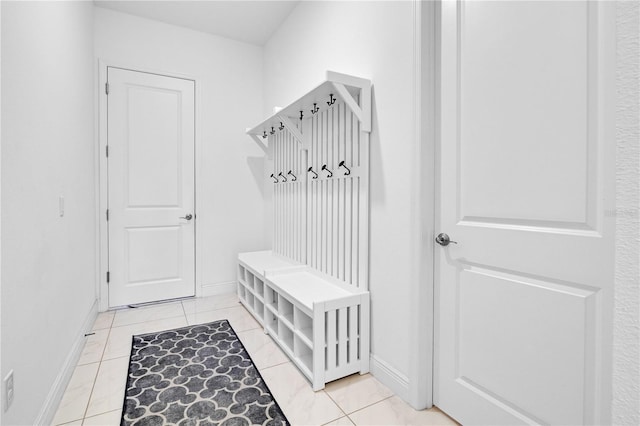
{"points": [[311, 170], [281, 126], [315, 109], [324, 167], [301, 115], [274, 178], [332, 100], [348, 172], [272, 131], [294, 176], [264, 135], [284, 179]]}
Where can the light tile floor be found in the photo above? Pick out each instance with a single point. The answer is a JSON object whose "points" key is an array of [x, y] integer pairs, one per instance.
{"points": [[95, 392]]}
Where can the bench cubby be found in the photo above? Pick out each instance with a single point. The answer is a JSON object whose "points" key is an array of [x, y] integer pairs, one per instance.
{"points": [[251, 285]]}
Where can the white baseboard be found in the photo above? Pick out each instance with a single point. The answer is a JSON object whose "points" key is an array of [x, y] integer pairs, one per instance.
{"points": [[390, 377], [220, 288], [48, 410]]}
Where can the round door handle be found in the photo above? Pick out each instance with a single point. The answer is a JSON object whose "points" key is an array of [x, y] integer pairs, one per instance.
{"points": [[444, 240], [187, 217]]}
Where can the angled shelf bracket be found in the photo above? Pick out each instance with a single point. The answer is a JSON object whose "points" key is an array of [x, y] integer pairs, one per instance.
{"points": [[288, 124], [361, 109], [262, 143]]}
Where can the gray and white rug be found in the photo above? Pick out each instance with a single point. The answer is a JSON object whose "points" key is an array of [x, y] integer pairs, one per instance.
{"points": [[196, 375]]}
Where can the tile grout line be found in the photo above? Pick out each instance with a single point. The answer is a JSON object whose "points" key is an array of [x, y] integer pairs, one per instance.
{"points": [[95, 379], [218, 308], [101, 414], [367, 406], [184, 312], [65, 393], [147, 308], [106, 340], [84, 417], [149, 320], [274, 365], [337, 405], [99, 362], [271, 366]]}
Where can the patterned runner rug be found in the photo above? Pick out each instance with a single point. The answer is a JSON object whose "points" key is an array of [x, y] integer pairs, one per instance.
{"points": [[196, 375]]}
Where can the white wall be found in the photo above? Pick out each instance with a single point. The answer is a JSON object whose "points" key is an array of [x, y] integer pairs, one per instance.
{"points": [[626, 333], [374, 40], [48, 261], [230, 215]]}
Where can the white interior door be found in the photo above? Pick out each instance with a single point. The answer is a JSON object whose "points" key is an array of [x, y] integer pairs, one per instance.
{"points": [[151, 187], [526, 190]]}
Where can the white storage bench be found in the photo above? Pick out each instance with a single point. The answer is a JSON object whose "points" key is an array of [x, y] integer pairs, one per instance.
{"points": [[310, 293], [321, 323]]}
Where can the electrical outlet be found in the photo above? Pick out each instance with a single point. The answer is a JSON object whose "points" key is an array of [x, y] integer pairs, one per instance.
{"points": [[8, 390]]}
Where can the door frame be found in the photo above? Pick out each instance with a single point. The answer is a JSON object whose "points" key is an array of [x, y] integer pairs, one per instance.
{"points": [[101, 176], [421, 384]]}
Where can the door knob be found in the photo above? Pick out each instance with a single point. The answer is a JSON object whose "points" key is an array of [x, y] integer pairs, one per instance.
{"points": [[187, 217], [444, 240]]}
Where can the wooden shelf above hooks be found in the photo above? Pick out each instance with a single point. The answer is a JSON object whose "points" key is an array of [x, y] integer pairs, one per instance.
{"points": [[355, 92]]}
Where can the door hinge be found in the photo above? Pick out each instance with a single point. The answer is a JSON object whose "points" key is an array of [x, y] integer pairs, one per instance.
{"points": [[108, 276], [107, 150], [107, 215], [106, 88]]}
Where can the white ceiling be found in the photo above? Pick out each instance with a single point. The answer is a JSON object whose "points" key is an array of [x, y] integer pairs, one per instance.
{"points": [[248, 21]]}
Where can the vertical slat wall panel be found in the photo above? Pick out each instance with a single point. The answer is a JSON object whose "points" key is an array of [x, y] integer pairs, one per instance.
{"points": [[355, 136], [336, 191], [276, 197], [341, 193], [325, 193], [317, 193], [323, 222], [329, 162], [289, 197], [338, 224], [283, 198], [313, 212], [349, 199], [288, 188], [276, 211]]}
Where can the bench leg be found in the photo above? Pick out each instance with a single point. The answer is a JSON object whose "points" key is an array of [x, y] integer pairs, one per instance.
{"points": [[317, 384]]}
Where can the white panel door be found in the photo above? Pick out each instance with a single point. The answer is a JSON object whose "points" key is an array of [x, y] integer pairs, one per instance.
{"points": [[526, 189], [151, 187]]}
